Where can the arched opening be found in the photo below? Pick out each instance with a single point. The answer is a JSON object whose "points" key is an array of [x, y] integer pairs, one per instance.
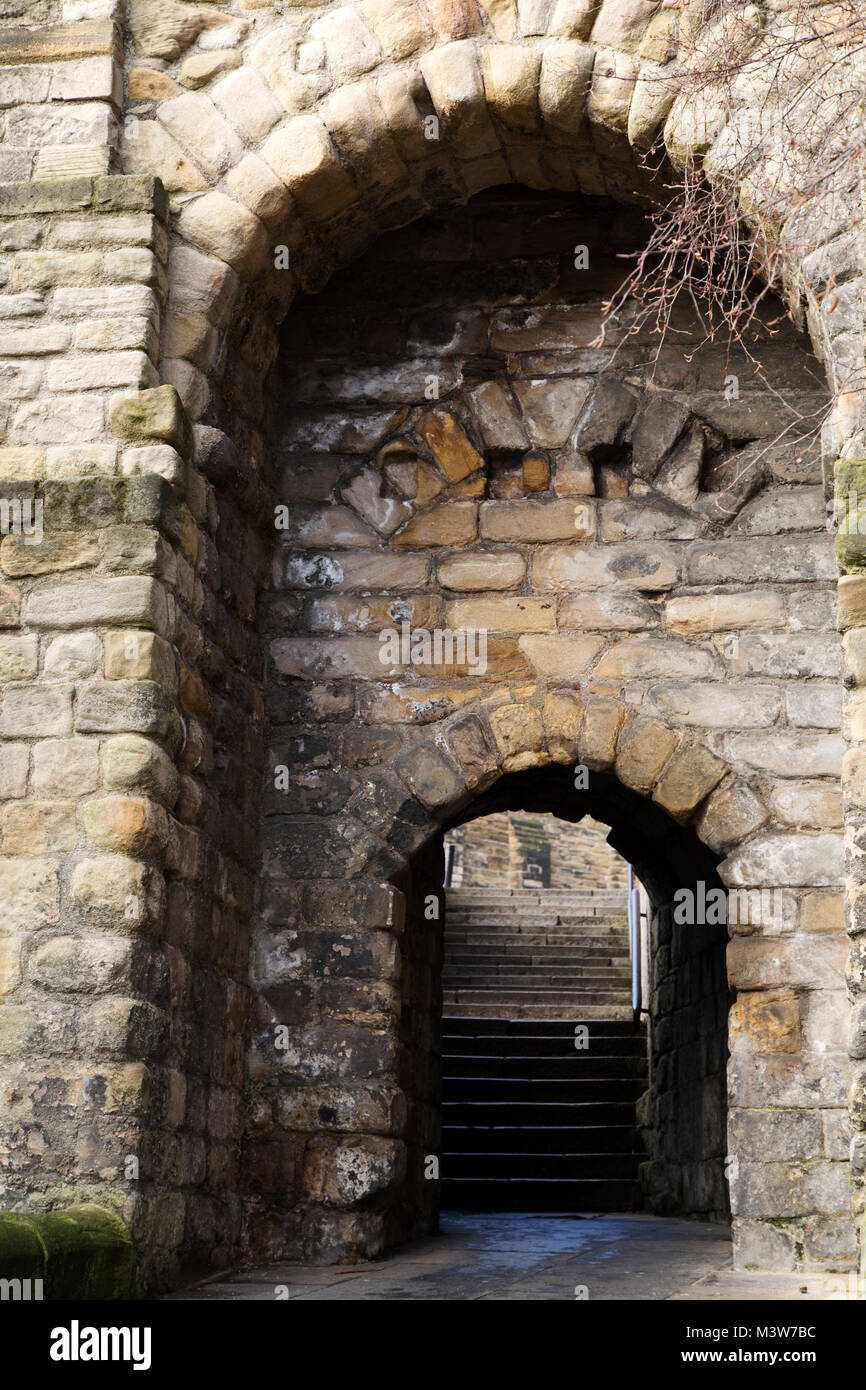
{"points": [[457, 455], [660, 1143]]}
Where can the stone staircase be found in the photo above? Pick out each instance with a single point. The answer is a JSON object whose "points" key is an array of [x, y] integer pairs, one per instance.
{"points": [[530, 1121], [536, 953]]}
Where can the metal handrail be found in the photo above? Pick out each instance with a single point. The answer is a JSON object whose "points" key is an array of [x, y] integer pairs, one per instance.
{"points": [[634, 942]]}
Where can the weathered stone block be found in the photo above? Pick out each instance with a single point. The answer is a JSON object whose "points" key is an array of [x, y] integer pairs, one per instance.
{"points": [[519, 735], [120, 706], [152, 414], [39, 827], [125, 824], [643, 749], [687, 780], [113, 601], [30, 890], [130, 762], [40, 710]]}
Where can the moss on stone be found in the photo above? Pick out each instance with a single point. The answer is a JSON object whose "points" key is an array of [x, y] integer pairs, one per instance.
{"points": [[850, 512], [22, 1254], [82, 1252], [156, 413]]}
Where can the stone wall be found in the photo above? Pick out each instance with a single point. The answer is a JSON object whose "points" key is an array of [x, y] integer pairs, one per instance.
{"points": [[300, 139], [684, 1113], [498, 851]]}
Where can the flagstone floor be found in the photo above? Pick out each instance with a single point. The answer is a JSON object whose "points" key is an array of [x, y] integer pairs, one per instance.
{"points": [[527, 1257]]}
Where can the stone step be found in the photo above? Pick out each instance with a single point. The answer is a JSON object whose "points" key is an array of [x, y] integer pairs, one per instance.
{"points": [[562, 1090], [503, 1164], [538, 1139], [552, 1194], [492, 915], [531, 897], [549, 1115], [499, 1012], [573, 998], [532, 983], [536, 1045], [514, 959], [510, 1028], [612, 943], [527, 1068], [543, 972]]}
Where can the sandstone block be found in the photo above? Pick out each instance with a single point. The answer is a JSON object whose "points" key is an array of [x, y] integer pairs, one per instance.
{"points": [[528, 520], [30, 890], [454, 82], [687, 780], [19, 657], [14, 766], [65, 767], [224, 228], [125, 824], [73, 656], [566, 69], [786, 861], [560, 656], [482, 569], [502, 614], [256, 185], [766, 1020], [111, 891], [147, 147], [350, 46], [193, 120], [646, 568], [695, 614], [644, 748], [132, 763], [511, 77], [122, 706], [203, 285], [302, 154], [81, 964], [119, 601], [138, 655], [598, 734], [607, 612], [39, 827], [62, 551], [648, 658], [497, 417], [519, 735], [794, 754], [152, 414], [719, 705], [451, 523], [36, 710], [561, 715], [732, 813], [449, 445], [431, 778]]}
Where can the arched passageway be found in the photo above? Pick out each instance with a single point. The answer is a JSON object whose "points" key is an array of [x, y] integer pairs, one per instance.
{"points": [[640, 572], [683, 1108]]}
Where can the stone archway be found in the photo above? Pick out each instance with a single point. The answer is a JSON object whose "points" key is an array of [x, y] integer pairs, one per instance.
{"points": [[156, 616]]}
